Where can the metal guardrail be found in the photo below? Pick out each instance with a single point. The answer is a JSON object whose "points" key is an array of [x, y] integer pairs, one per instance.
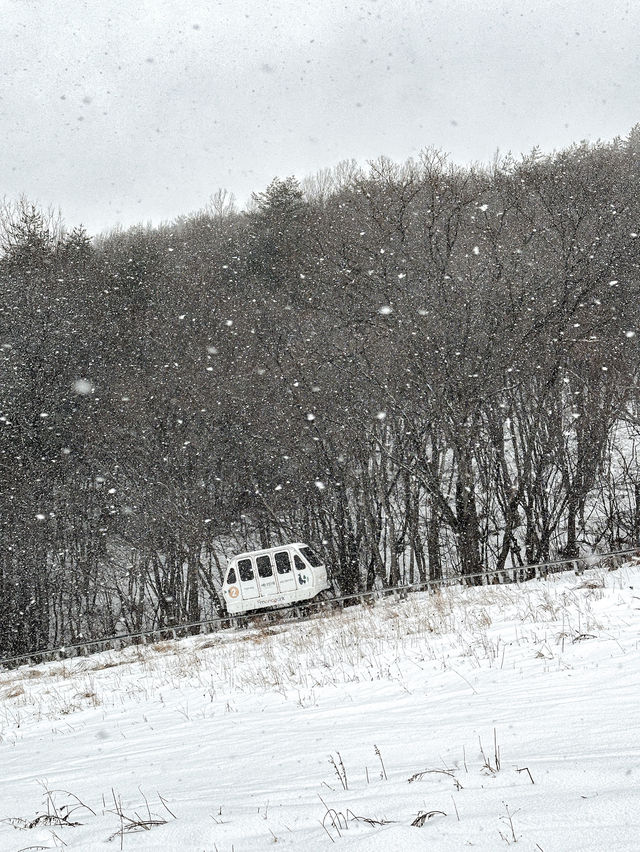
{"points": [[505, 576]]}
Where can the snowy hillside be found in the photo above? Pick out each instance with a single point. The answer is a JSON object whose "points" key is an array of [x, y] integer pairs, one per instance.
{"points": [[474, 718]]}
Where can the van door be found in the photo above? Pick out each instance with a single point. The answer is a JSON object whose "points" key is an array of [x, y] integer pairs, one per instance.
{"points": [[284, 571], [248, 582], [266, 577], [304, 574]]}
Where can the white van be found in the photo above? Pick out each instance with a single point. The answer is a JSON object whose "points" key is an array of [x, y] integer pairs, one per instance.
{"points": [[273, 577]]}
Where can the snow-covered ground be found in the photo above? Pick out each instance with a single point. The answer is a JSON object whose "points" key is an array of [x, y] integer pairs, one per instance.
{"points": [[492, 716]]}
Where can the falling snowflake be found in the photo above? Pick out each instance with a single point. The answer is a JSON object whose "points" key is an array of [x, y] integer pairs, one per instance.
{"points": [[82, 386]]}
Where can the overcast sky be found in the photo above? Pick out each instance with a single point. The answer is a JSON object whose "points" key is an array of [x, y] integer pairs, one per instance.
{"points": [[121, 111]]}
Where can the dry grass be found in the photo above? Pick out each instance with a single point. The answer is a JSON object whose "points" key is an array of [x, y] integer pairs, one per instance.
{"points": [[13, 691], [450, 627]]}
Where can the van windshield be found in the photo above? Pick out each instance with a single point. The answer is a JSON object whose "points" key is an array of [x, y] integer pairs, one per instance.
{"points": [[311, 557]]}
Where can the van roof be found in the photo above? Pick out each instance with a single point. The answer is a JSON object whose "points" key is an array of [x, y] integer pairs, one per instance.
{"points": [[269, 549]]}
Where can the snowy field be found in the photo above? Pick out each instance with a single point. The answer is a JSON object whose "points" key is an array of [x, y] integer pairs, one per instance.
{"points": [[474, 718]]}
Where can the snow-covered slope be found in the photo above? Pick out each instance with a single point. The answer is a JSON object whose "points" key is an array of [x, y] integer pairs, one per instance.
{"points": [[490, 716]]}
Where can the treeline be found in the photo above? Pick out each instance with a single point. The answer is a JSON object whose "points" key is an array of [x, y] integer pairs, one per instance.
{"points": [[419, 368]]}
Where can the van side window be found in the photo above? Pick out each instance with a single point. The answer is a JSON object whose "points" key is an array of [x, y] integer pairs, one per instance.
{"points": [[231, 576], [299, 563], [245, 570], [283, 562], [264, 566], [310, 556]]}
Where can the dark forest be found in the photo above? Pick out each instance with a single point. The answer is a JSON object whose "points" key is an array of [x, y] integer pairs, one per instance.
{"points": [[419, 368]]}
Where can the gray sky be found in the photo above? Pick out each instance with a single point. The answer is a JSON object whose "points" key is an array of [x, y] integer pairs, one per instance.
{"points": [[121, 111]]}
